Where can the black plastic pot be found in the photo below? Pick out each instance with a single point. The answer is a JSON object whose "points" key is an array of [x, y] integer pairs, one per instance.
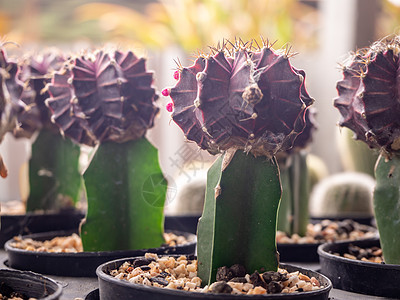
{"points": [[364, 220], [298, 252], [111, 288], [186, 223], [82, 264], [12, 225], [93, 295], [29, 284], [308, 252], [359, 276]]}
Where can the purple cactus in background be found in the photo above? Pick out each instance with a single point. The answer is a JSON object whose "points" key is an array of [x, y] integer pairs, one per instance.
{"points": [[105, 96], [10, 98], [369, 93], [36, 72]]}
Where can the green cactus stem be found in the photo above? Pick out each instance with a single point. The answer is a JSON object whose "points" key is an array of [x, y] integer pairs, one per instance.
{"points": [[285, 212], [387, 206], [293, 212], [238, 224], [126, 192], [54, 177]]}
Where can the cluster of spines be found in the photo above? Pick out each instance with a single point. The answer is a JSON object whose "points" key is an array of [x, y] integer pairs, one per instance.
{"points": [[105, 96], [224, 99]]}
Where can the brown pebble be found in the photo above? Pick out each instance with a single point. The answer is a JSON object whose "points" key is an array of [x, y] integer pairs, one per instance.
{"points": [[224, 274], [221, 287], [238, 279], [256, 280], [160, 280], [274, 287], [142, 262], [271, 276], [238, 270]]}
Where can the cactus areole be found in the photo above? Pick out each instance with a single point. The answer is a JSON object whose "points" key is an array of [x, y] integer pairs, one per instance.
{"points": [[369, 103], [248, 103]]}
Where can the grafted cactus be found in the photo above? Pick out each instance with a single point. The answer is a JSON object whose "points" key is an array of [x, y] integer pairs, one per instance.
{"points": [[10, 98], [249, 103], [369, 104], [54, 178], [107, 98], [296, 183]]}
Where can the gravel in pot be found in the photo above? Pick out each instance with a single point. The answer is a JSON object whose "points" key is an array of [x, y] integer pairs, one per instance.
{"points": [[71, 262], [175, 277], [359, 275]]}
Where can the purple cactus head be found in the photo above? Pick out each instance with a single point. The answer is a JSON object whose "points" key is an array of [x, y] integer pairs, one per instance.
{"points": [[241, 96], [105, 96], [36, 73], [10, 93], [369, 96]]}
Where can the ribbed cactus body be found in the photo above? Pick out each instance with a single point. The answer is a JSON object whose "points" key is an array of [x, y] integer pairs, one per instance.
{"points": [[36, 73], [104, 97], [240, 98], [10, 103], [368, 96], [10, 94]]}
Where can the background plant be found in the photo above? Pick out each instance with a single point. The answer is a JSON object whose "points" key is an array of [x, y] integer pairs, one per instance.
{"points": [[368, 103], [106, 99]]}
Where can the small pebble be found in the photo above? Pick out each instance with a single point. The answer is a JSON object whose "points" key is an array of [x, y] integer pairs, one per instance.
{"points": [[221, 287]]}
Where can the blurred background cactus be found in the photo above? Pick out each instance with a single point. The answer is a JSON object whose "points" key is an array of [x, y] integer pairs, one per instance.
{"points": [[54, 175], [368, 104], [106, 99], [10, 98], [296, 181]]}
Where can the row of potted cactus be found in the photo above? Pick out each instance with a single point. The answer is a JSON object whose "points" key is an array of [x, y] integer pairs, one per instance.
{"points": [[244, 102]]}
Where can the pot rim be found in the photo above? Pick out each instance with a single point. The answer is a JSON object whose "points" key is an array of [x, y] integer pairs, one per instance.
{"points": [[324, 248], [101, 274], [58, 287]]}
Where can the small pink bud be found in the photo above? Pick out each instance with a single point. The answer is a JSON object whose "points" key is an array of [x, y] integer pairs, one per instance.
{"points": [[176, 75], [166, 92], [170, 107]]}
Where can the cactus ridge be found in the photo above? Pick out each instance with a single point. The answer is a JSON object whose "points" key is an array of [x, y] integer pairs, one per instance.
{"points": [[106, 97], [241, 96], [369, 96], [10, 93], [35, 73]]}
